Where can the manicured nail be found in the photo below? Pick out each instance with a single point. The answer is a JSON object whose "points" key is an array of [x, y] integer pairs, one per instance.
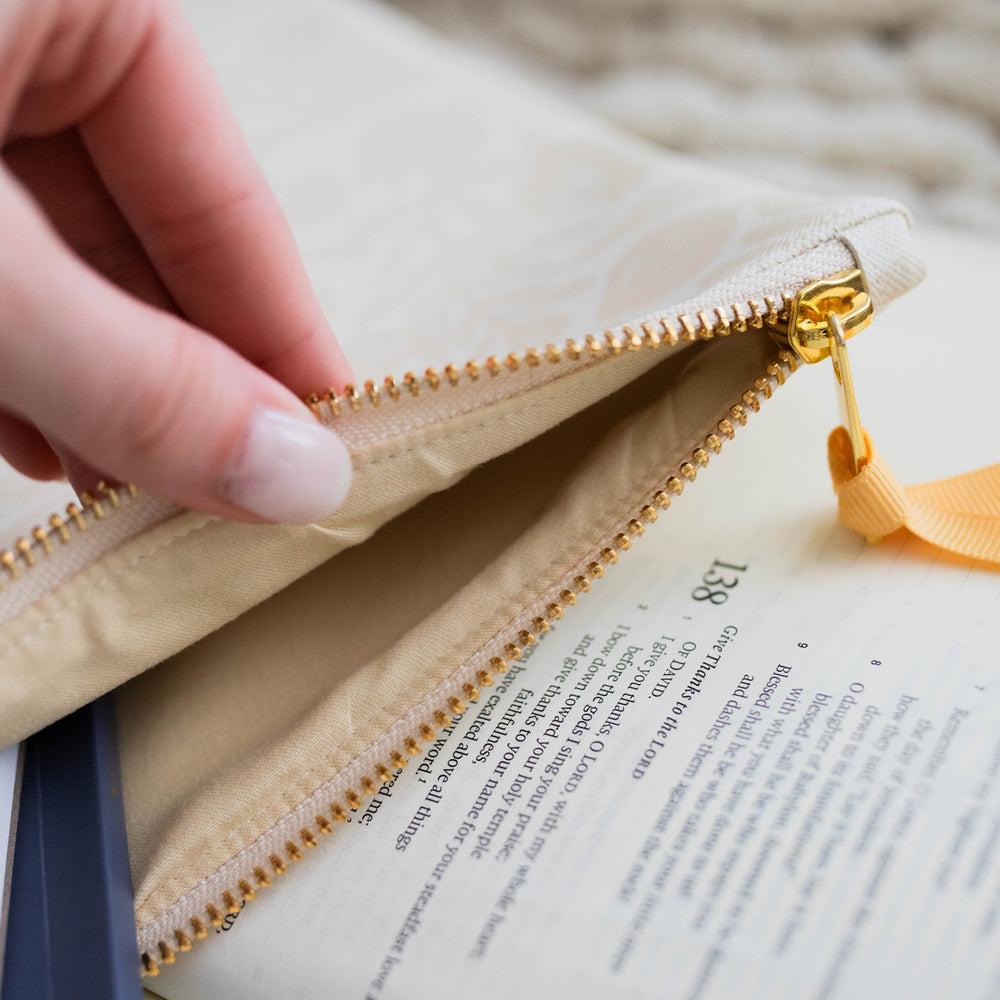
{"points": [[288, 470]]}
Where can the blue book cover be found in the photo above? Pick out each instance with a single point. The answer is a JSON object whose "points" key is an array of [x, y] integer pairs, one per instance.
{"points": [[71, 924], [10, 791]]}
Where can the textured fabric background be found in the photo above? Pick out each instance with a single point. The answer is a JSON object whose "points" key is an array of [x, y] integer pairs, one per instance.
{"points": [[897, 97]]}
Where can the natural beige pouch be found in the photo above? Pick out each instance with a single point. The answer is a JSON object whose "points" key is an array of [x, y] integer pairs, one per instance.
{"points": [[274, 676]]}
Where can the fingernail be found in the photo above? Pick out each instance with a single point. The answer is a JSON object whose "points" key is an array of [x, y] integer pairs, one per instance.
{"points": [[288, 470]]}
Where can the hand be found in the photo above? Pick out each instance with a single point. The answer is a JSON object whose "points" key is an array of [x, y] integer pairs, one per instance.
{"points": [[128, 200]]}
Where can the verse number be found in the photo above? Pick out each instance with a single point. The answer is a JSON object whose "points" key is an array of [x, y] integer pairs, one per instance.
{"points": [[717, 581], [227, 924]]}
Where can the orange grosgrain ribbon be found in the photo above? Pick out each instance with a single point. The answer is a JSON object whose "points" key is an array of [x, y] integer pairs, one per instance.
{"points": [[961, 514]]}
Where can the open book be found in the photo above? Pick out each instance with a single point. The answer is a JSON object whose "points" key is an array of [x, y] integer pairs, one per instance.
{"points": [[761, 759]]}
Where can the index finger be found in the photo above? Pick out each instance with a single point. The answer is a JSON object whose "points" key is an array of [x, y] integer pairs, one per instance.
{"points": [[174, 159]]}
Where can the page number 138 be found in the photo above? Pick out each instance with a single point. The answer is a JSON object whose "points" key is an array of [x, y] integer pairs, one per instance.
{"points": [[717, 581]]}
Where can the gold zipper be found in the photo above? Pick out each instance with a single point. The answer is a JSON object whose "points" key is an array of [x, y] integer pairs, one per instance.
{"points": [[41, 542], [25, 553], [706, 325], [805, 325]]}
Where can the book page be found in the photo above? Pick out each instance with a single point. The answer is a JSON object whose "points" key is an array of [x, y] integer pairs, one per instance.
{"points": [[9, 788], [761, 758]]}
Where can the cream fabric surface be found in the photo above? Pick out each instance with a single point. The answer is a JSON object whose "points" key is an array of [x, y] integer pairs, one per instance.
{"points": [[435, 236]]}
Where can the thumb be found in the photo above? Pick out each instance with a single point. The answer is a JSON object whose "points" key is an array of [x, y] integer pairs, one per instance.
{"points": [[146, 397]]}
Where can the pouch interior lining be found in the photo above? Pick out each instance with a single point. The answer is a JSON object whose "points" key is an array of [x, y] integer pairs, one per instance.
{"points": [[199, 733]]}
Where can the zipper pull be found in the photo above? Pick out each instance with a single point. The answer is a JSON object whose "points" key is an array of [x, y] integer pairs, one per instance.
{"points": [[821, 319], [961, 514]]}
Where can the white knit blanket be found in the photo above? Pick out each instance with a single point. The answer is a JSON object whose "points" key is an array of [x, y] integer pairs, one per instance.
{"points": [[899, 97]]}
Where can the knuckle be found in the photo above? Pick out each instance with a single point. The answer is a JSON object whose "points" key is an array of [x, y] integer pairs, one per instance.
{"points": [[185, 236], [284, 353], [155, 420]]}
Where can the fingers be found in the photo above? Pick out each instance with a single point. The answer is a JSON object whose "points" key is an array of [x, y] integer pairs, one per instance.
{"points": [[58, 173], [145, 396], [131, 390], [170, 153]]}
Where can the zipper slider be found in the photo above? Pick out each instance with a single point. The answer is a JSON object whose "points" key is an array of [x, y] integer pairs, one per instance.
{"points": [[961, 514], [822, 317]]}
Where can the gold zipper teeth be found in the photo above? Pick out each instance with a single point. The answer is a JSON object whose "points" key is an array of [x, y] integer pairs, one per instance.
{"points": [[352, 799], [27, 551], [39, 542], [664, 332]]}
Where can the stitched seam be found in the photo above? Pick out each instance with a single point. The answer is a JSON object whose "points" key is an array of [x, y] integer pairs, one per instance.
{"points": [[825, 241], [22, 639], [450, 436]]}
